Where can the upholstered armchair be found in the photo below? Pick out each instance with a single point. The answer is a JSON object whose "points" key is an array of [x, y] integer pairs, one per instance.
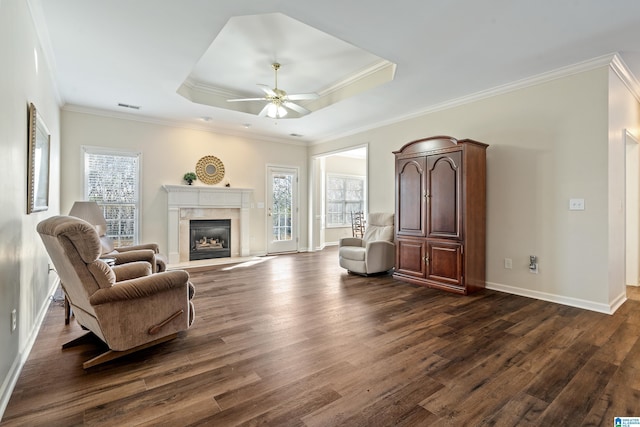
{"points": [[375, 251], [126, 306], [92, 213], [145, 252]]}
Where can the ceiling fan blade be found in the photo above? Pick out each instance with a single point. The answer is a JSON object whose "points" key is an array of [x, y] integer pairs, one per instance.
{"points": [[263, 112], [266, 89], [295, 107], [301, 96], [246, 99]]}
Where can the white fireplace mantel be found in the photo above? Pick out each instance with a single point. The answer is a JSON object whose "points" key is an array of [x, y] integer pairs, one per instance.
{"points": [[181, 197]]}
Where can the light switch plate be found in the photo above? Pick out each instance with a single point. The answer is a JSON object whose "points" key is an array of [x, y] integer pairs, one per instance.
{"points": [[576, 204]]}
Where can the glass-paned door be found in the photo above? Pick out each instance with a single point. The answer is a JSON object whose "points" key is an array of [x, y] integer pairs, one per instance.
{"points": [[282, 209]]}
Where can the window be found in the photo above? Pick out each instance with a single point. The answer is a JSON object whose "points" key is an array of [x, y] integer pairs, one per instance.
{"points": [[345, 194], [111, 179]]}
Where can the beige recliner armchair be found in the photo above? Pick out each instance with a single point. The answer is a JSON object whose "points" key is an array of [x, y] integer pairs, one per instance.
{"points": [[145, 252], [126, 306], [375, 251], [92, 213]]}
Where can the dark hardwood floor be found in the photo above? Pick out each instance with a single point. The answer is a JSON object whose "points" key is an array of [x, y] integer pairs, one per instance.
{"points": [[294, 340]]}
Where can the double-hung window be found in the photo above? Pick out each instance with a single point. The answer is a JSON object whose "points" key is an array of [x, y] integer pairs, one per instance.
{"points": [[111, 179], [344, 195]]}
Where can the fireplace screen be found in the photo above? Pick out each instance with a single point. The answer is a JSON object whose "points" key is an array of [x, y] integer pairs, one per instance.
{"points": [[209, 238]]}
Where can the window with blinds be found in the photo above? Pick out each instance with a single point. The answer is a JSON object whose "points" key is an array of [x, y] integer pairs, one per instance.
{"points": [[111, 180], [344, 195]]}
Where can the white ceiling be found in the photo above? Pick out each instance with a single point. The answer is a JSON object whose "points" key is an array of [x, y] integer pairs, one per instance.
{"points": [[140, 53]]}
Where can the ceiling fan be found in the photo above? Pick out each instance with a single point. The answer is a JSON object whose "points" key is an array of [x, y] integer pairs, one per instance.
{"points": [[278, 100]]}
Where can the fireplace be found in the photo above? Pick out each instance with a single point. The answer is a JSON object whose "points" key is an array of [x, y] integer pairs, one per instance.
{"points": [[194, 202], [209, 238]]}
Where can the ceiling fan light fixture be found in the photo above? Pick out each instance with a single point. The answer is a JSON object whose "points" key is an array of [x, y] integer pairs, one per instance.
{"points": [[278, 100], [276, 111]]}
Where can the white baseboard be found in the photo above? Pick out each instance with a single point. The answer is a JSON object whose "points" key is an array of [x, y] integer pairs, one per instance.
{"points": [[573, 302], [16, 367]]}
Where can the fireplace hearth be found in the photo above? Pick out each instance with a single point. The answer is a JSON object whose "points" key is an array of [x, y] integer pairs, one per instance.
{"points": [[209, 238]]}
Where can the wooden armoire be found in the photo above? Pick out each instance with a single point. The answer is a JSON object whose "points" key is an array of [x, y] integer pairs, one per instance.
{"points": [[441, 214]]}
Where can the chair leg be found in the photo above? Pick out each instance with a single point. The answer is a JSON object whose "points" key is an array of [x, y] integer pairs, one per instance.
{"points": [[82, 339], [112, 354], [67, 310]]}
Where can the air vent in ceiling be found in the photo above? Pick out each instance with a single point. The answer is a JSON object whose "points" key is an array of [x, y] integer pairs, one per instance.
{"points": [[133, 107]]}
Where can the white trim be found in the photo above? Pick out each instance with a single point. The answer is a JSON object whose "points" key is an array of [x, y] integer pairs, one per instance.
{"points": [[559, 299], [11, 379], [270, 168], [611, 59], [629, 137], [42, 33], [379, 66], [219, 127], [628, 79]]}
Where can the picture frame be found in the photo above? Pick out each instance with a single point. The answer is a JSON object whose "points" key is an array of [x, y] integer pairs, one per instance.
{"points": [[39, 146]]}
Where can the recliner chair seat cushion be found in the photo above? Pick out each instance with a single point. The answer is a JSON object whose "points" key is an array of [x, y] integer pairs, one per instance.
{"points": [[354, 253]]}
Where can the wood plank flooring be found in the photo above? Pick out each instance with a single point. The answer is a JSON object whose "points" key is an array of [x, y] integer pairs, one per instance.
{"points": [[294, 340]]}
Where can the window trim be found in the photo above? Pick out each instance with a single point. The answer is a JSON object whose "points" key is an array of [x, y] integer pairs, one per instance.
{"points": [[89, 149], [330, 175]]}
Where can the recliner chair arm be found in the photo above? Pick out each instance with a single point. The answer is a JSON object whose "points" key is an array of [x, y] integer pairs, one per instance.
{"points": [[351, 241], [132, 270], [141, 287], [136, 255], [153, 246], [380, 256], [377, 247]]}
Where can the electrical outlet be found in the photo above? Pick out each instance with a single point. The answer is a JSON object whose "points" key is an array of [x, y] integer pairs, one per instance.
{"points": [[508, 263], [14, 320], [576, 204]]}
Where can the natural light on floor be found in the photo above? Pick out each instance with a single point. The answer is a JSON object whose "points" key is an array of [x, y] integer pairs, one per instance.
{"points": [[256, 260]]}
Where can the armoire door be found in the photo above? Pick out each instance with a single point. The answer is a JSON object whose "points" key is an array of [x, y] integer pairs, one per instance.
{"points": [[410, 196], [444, 218], [444, 263], [410, 257]]}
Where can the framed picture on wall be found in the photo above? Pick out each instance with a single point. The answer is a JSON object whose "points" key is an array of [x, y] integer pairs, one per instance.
{"points": [[38, 167]]}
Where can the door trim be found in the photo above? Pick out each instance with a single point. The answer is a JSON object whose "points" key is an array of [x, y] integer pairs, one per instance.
{"points": [[270, 168]]}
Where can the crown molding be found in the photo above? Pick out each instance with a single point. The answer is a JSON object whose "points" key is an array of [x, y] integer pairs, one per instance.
{"points": [[382, 66], [178, 124], [42, 34], [612, 60], [622, 71]]}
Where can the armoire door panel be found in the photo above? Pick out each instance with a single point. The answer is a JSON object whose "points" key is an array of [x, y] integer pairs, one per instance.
{"points": [[410, 201], [410, 257], [444, 262], [444, 218]]}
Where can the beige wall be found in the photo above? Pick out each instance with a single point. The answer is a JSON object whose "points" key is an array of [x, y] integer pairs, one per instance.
{"points": [[167, 153], [548, 143], [26, 284]]}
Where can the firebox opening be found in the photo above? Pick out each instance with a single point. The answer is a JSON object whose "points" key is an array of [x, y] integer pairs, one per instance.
{"points": [[209, 238]]}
